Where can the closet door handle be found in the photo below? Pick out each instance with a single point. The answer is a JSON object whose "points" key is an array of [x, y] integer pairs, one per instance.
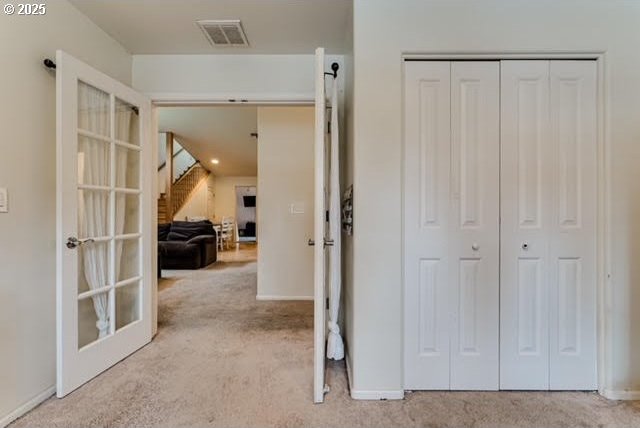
{"points": [[525, 246], [475, 246]]}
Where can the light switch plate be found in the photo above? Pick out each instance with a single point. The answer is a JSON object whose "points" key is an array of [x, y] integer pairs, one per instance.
{"points": [[296, 208], [4, 200]]}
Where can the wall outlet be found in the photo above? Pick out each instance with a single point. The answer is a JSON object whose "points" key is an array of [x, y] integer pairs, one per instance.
{"points": [[4, 200]]}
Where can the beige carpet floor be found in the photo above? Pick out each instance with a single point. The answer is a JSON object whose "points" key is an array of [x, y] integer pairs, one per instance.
{"points": [[223, 359]]}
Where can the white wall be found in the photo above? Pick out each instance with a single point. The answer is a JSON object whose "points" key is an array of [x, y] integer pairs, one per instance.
{"points": [[27, 169], [225, 194], [229, 76], [285, 177], [488, 26]]}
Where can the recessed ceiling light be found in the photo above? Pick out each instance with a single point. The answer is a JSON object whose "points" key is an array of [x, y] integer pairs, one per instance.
{"points": [[215, 161]]}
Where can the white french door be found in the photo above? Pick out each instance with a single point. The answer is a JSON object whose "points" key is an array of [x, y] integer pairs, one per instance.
{"points": [[451, 229], [320, 229], [500, 225], [104, 256]]}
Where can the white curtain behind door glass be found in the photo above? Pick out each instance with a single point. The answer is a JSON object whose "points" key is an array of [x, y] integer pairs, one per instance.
{"points": [[123, 131], [335, 346], [93, 168]]}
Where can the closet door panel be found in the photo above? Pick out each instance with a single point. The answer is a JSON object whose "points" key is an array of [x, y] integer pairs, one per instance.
{"points": [[426, 224], [474, 224], [572, 236], [525, 224]]}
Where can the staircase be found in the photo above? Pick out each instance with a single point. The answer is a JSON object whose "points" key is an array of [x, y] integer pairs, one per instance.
{"points": [[181, 191], [162, 209]]}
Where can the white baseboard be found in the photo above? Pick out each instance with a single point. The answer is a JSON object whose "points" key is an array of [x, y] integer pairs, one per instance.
{"points": [[357, 394], [272, 297], [24, 409], [621, 395]]}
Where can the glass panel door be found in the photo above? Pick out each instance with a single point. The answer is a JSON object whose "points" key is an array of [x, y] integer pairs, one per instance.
{"points": [[108, 214], [105, 260]]}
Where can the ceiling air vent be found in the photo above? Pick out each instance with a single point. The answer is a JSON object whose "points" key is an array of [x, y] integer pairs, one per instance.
{"points": [[224, 33]]}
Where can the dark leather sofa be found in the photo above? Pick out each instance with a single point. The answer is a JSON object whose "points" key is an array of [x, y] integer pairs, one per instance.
{"points": [[186, 245]]}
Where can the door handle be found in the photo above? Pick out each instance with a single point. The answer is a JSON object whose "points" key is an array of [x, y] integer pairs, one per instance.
{"points": [[525, 246], [475, 246], [327, 242], [73, 242]]}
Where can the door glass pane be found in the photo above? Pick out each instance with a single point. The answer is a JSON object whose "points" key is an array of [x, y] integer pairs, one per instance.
{"points": [[128, 258], [93, 266], [127, 213], [127, 123], [127, 168], [94, 110], [127, 304], [93, 213], [92, 326], [93, 161]]}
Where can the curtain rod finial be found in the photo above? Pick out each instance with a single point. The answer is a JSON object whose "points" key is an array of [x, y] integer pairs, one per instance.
{"points": [[49, 63]]}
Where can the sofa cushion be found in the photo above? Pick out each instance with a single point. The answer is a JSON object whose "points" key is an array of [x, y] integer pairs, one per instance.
{"points": [[185, 230]]}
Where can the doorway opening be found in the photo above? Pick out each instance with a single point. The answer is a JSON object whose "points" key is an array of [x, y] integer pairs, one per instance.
{"points": [[255, 190], [246, 213], [290, 195], [209, 152]]}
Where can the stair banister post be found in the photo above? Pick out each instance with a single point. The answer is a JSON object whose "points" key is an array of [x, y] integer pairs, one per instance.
{"points": [[169, 176]]}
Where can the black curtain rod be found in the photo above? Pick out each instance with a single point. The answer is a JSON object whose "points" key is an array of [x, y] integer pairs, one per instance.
{"points": [[52, 66], [335, 66]]}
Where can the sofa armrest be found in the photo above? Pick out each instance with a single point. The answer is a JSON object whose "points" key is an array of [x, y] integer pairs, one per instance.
{"points": [[206, 239], [180, 255], [208, 248]]}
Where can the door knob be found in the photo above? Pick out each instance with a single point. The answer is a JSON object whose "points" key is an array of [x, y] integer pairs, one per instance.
{"points": [[475, 246], [525, 246], [73, 242], [311, 243]]}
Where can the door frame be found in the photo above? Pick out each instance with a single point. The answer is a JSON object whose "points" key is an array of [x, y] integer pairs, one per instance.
{"points": [[197, 99], [604, 292]]}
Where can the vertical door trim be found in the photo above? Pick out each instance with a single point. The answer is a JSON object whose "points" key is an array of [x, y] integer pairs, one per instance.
{"points": [[319, 324]]}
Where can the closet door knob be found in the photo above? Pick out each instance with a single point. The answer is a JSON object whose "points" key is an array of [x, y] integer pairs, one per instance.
{"points": [[525, 246], [475, 246]]}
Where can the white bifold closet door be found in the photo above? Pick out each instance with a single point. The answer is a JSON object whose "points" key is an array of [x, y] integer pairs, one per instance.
{"points": [[548, 229], [451, 225]]}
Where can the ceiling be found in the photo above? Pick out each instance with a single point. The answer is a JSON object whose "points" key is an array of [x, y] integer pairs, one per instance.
{"points": [[272, 26], [218, 132]]}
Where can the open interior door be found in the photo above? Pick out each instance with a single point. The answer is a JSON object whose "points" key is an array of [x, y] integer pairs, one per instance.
{"points": [[104, 222], [320, 256]]}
